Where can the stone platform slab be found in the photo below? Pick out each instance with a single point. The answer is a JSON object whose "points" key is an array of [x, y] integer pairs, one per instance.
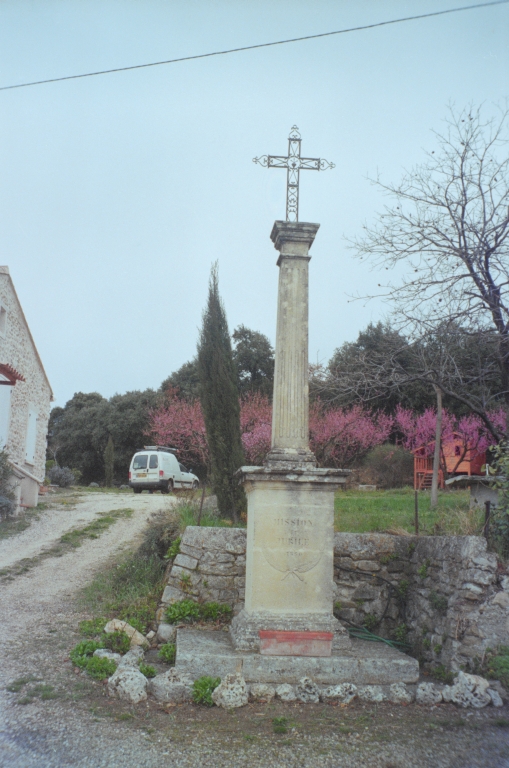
{"points": [[211, 653]]}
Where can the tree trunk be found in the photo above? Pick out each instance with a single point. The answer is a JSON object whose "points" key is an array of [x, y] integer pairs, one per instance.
{"points": [[436, 455]]}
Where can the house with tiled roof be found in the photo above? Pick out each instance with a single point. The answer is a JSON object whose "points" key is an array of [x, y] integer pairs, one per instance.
{"points": [[25, 396]]}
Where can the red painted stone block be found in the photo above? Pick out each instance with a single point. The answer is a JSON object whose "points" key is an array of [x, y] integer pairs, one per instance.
{"points": [[284, 643]]}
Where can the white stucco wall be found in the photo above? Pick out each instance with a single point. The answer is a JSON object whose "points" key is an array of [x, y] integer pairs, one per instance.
{"points": [[33, 395]]}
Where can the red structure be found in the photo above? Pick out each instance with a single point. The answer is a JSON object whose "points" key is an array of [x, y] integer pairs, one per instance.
{"points": [[457, 457]]}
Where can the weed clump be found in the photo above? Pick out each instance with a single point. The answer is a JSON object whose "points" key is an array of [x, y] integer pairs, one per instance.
{"points": [[92, 627], [188, 611], [280, 725], [168, 653], [82, 656], [147, 669], [203, 688], [117, 641]]}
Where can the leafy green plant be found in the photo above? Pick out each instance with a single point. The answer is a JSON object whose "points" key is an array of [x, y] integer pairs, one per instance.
{"points": [[386, 559], [173, 549], [370, 621], [280, 724], [92, 627], [439, 602], [185, 582], [139, 615], [83, 651], [168, 652], [422, 571], [117, 641], [426, 643], [183, 610], [439, 672], [203, 688], [82, 657], [99, 668], [147, 669], [215, 611], [400, 633], [402, 589], [497, 665], [437, 649]]}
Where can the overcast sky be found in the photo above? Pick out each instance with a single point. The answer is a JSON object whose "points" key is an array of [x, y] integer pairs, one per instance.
{"points": [[118, 192]]}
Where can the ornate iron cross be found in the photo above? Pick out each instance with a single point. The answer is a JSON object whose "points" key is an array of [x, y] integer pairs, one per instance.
{"points": [[294, 164]]}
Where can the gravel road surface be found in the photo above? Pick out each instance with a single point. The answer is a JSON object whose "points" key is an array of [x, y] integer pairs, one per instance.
{"points": [[83, 727]]}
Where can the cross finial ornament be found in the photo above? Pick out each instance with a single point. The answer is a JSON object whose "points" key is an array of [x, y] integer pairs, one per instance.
{"points": [[294, 164]]}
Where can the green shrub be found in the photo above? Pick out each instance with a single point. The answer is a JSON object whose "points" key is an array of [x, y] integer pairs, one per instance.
{"points": [[173, 550], [161, 531], [147, 670], [117, 641], [390, 466], [439, 602], [100, 669], [82, 657], [83, 651], [184, 610], [497, 665], [203, 688], [140, 615], [400, 633], [215, 611], [168, 652], [370, 621], [92, 627], [7, 481]]}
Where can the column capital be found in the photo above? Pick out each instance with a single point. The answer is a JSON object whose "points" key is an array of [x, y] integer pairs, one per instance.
{"points": [[293, 238]]}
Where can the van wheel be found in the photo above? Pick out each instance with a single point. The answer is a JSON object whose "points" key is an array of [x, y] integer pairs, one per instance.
{"points": [[137, 490], [169, 488], [195, 485]]}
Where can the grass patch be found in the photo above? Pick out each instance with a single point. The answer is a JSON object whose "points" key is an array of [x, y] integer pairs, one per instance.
{"points": [[363, 512], [128, 589], [11, 526], [188, 512], [67, 542], [188, 611]]}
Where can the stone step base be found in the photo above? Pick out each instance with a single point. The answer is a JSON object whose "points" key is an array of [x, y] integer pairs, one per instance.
{"points": [[211, 653]]}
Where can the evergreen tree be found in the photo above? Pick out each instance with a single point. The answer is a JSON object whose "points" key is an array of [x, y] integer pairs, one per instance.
{"points": [[220, 403], [109, 460]]}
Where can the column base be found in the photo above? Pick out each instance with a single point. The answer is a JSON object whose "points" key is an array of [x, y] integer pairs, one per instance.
{"points": [[245, 628], [281, 458]]}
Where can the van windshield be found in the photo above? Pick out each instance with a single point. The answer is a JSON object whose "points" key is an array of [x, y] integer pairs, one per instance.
{"points": [[140, 461]]}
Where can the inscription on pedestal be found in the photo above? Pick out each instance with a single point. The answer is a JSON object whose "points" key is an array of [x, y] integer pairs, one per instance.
{"points": [[292, 547]]}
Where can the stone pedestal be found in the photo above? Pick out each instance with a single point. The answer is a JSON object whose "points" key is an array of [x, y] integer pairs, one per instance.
{"points": [[289, 558]]}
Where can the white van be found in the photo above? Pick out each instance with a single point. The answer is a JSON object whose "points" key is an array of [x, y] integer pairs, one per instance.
{"points": [[156, 468]]}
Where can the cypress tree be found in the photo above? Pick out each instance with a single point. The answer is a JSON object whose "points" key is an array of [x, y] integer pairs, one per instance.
{"points": [[109, 459], [219, 398]]}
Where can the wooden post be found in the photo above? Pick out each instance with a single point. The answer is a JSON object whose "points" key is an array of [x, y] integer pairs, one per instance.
{"points": [[487, 512], [416, 512], [201, 504]]}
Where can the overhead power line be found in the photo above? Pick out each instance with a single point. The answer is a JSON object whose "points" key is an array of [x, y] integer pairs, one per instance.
{"points": [[259, 45]]}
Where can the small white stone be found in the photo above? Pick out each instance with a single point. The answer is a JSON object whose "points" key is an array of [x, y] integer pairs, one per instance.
{"points": [[502, 599], [285, 692], [371, 693], [166, 633], [307, 691], [231, 692], [262, 692], [150, 635], [428, 693], [128, 684], [344, 692], [171, 687], [116, 625], [399, 694], [496, 699], [132, 658]]}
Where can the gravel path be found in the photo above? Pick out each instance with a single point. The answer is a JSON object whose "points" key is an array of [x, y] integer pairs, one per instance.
{"points": [[83, 727]]}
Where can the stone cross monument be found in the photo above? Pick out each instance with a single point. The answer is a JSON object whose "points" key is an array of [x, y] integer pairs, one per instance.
{"points": [[290, 532]]}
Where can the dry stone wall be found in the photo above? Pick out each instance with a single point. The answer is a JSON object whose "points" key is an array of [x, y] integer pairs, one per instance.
{"points": [[447, 595]]}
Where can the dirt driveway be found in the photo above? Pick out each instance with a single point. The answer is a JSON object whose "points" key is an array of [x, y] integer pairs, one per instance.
{"points": [[76, 724]]}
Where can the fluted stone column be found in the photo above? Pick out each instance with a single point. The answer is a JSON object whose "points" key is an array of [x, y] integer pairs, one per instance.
{"points": [[290, 418]]}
